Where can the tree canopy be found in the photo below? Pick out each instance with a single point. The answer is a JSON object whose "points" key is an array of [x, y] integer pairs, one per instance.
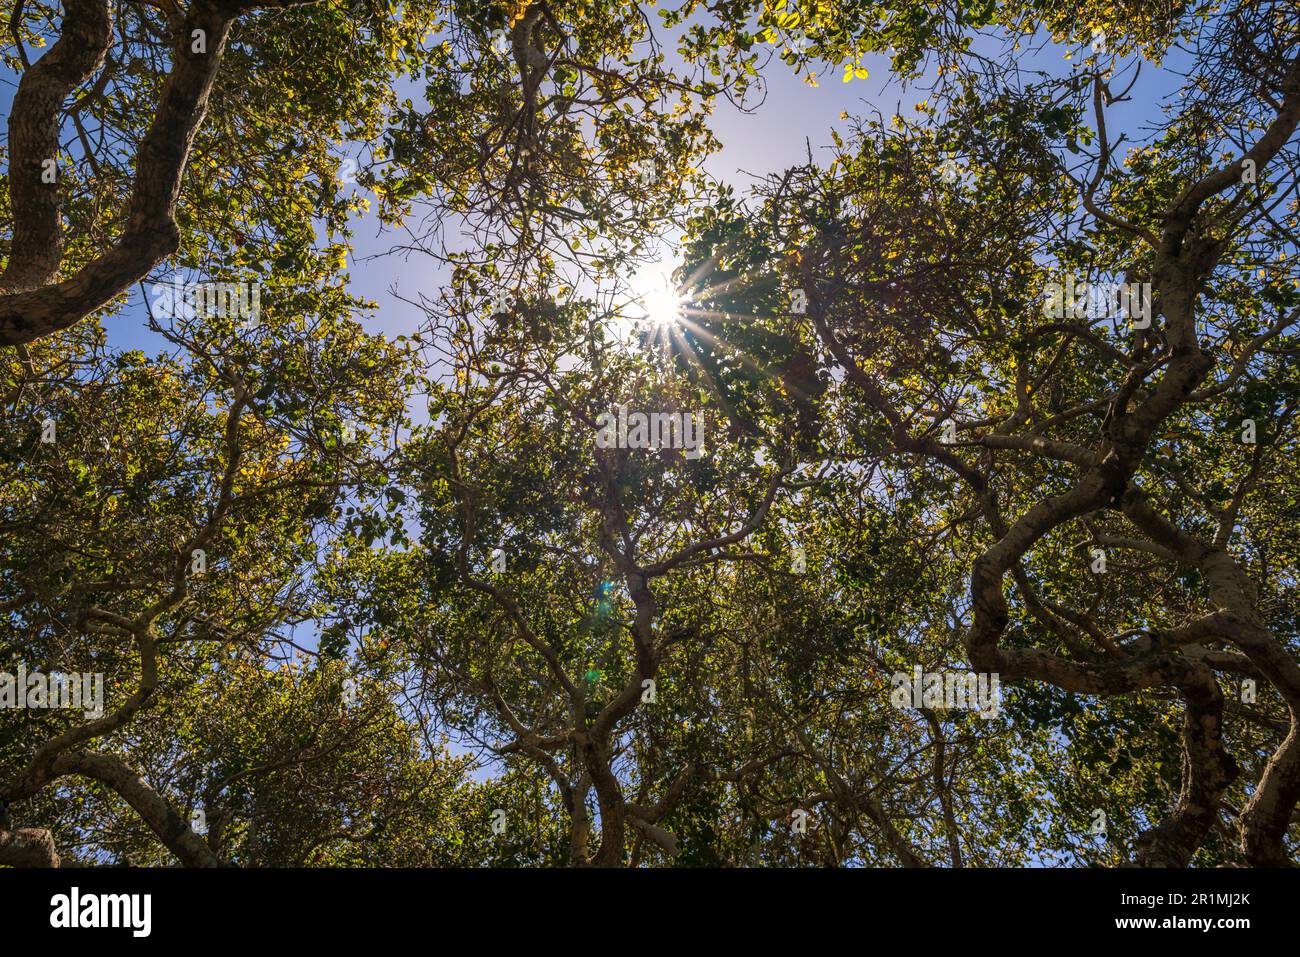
{"points": [[940, 511]]}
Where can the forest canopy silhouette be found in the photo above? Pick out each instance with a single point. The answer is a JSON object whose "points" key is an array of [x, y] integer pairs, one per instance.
{"points": [[934, 505]]}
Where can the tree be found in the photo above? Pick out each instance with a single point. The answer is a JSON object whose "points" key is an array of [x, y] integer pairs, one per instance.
{"points": [[258, 99], [1001, 391], [1130, 450], [156, 509]]}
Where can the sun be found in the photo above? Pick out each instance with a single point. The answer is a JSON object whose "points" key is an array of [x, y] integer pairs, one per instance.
{"points": [[654, 309], [662, 303]]}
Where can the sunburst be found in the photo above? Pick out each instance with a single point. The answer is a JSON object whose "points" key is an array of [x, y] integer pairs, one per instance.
{"points": [[667, 316]]}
